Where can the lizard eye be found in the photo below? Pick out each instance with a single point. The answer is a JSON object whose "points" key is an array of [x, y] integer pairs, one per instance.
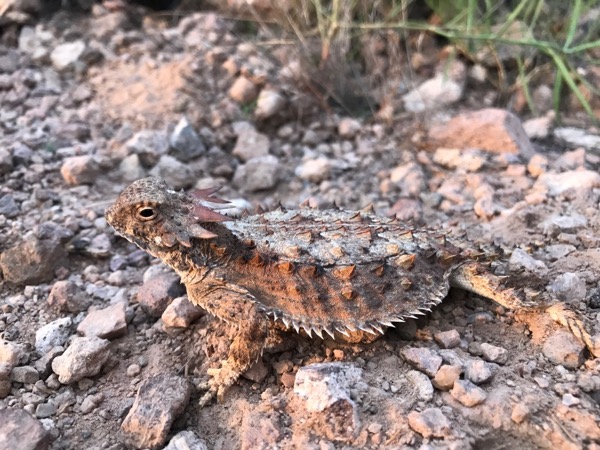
{"points": [[145, 213]]}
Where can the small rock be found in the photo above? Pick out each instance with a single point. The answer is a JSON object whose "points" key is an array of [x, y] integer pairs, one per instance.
{"points": [[558, 183], [54, 334], [325, 388], [479, 371], [8, 206], [538, 127], [45, 410], [434, 93], [559, 251], [6, 163], [177, 174], [269, 103], [77, 170], [571, 160], [409, 178], [521, 259], [251, 144], [446, 376], [258, 174], [158, 291], [131, 168], [570, 400], [348, 128], [32, 261], [5, 386], [568, 287], [107, 323], [447, 339], [467, 393], [257, 372], [538, 164], [181, 313], [314, 170], [160, 400], [66, 55], [20, 430], [567, 224], [494, 354], [11, 354], [90, 403], [44, 364], [25, 375], [149, 145], [133, 370], [422, 384], [491, 129], [84, 358], [185, 142], [520, 413], [67, 297], [430, 423], [243, 90], [186, 440], [423, 359], [577, 137], [564, 349], [586, 381]]}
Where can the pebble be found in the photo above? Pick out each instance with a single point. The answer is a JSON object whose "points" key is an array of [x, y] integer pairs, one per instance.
{"points": [[185, 142], [178, 175], [325, 389], [566, 223], [447, 339], [20, 430], [77, 170], [160, 400], [494, 354], [8, 206], [243, 90], [490, 129], [90, 403], [25, 375], [131, 168], [434, 93], [577, 137], [258, 174], [181, 313], [537, 165], [479, 371], [423, 359], [32, 261], [257, 372], [149, 145], [251, 144], [577, 180], [538, 127], [521, 259], [269, 103], [422, 385], [409, 178], [133, 370], [11, 353], [520, 413], [564, 349], [186, 440], [108, 323], [67, 297], [430, 423], [348, 128], [446, 376], [45, 410], [467, 393], [84, 358], [64, 56], [159, 290], [314, 170], [570, 400], [568, 287], [54, 334]]}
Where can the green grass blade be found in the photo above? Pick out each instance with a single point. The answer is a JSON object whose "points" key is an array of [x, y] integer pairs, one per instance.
{"points": [[566, 75], [575, 16]]}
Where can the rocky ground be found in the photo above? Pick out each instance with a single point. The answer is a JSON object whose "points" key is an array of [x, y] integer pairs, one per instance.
{"points": [[99, 346]]}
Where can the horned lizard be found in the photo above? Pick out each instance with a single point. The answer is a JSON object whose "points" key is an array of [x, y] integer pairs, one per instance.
{"points": [[328, 272]]}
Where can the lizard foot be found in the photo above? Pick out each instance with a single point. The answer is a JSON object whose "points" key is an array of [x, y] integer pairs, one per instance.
{"points": [[220, 381]]}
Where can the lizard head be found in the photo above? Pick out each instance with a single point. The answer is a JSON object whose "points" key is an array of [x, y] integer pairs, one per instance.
{"points": [[154, 217]]}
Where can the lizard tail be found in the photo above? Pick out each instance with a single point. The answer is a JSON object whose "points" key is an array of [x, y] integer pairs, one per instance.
{"points": [[569, 319]]}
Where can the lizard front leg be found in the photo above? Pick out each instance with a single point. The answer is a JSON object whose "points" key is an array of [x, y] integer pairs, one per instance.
{"points": [[236, 306]]}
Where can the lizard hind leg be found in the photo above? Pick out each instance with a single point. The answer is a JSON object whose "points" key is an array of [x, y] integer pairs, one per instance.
{"points": [[474, 278]]}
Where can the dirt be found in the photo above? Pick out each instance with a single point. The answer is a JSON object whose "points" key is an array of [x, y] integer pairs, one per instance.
{"points": [[147, 79]]}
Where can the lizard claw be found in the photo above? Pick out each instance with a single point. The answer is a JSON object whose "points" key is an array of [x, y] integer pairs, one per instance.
{"points": [[221, 379]]}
